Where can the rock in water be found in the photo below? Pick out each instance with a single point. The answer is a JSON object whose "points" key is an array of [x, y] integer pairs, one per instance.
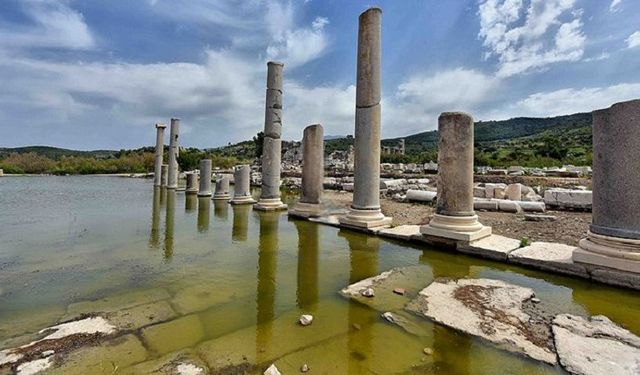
{"points": [[491, 309], [272, 370], [304, 368], [305, 320], [400, 291], [389, 317], [369, 292], [595, 346]]}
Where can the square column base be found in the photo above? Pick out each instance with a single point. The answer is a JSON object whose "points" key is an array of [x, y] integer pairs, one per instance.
{"points": [[272, 204], [221, 197], [609, 252], [365, 219], [483, 232], [307, 210], [242, 200]]}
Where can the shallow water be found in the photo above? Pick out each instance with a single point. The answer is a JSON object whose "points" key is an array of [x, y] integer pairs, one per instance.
{"points": [[237, 278]]}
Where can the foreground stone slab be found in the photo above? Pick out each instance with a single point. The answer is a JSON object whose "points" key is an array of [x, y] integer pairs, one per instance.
{"points": [[141, 316], [412, 279], [595, 346], [493, 247], [201, 297], [117, 302], [174, 335], [491, 309], [549, 256], [256, 347]]}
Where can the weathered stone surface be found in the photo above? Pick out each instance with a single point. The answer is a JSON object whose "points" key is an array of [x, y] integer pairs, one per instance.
{"points": [[485, 204], [595, 346], [142, 315], [157, 165], [184, 362], [205, 178], [514, 192], [174, 335], [412, 279], [402, 232], [172, 173], [535, 217], [201, 297], [565, 198], [491, 309], [493, 247], [116, 302], [548, 256]]}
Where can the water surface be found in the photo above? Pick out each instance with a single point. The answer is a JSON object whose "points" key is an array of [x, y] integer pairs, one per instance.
{"points": [[228, 271]]}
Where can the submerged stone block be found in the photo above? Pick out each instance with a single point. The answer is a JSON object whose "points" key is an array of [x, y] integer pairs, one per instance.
{"points": [[174, 335], [116, 302]]}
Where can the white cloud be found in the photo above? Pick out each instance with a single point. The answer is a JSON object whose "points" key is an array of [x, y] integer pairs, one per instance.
{"points": [[570, 100], [528, 38], [633, 40], [299, 46], [54, 25], [615, 5]]}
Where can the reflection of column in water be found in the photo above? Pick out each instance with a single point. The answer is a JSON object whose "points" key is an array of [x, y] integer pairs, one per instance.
{"points": [[307, 292], [204, 206], [190, 202], [163, 197], [267, 269], [154, 236], [240, 222], [221, 209], [168, 224], [363, 254]]}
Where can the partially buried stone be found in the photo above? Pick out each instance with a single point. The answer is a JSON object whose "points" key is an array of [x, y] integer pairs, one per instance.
{"points": [[304, 368], [389, 317], [427, 351], [400, 291], [369, 292], [272, 370], [305, 320]]}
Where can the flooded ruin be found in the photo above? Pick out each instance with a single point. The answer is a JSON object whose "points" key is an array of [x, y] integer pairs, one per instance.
{"points": [[190, 281]]}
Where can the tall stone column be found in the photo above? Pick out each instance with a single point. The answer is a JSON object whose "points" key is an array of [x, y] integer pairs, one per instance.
{"points": [[242, 187], [192, 181], [205, 178], [157, 166], [272, 144], [365, 209], [222, 188], [455, 218], [312, 173], [613, 239], [164, 175], [172, 182]]}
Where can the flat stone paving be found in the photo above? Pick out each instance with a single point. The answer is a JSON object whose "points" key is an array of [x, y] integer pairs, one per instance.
{"points": [[550, 257]]}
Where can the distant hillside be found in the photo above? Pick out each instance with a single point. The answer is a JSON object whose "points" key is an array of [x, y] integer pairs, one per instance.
{"points": [[56, 153]]}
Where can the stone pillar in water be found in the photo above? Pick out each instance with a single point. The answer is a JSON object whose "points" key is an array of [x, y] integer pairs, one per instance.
{"points": [[157, 166], [365, 209], [455, 218], [205, 178], [164, 175], [192, 181], [613, 239], [172, 182], [222, 188], [272, 144], [312, 173], [242, 187]]}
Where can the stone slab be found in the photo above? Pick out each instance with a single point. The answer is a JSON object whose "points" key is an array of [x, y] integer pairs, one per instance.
{"points": [[201, 297], [595, 346], [591, 258], [490, 309], [493, 247], [332, 220], [402, 232], [615, 277], [458, 236], [346, 222], [116, 302], [184, 362], [548, 256], [174, 335], [141, 316]]}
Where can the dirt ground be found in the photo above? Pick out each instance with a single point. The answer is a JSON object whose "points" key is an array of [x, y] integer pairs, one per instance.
{"points": [[568, 228]]}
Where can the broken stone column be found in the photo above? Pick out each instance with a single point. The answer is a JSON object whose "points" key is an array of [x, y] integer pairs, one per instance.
{"points": [[205, 178], [365, 209], [164, 175], [271, 147], [613, 239], [157, 166], [242, 187], [312, 173], [172, 181], [192, 181], [455, 218], [222, 188]]}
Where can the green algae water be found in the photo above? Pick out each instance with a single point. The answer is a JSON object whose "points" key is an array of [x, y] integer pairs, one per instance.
{"points": [[209, 281]]}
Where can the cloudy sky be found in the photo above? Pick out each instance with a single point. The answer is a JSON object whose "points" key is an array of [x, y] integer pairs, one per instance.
{"points": [[90, 74]]}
